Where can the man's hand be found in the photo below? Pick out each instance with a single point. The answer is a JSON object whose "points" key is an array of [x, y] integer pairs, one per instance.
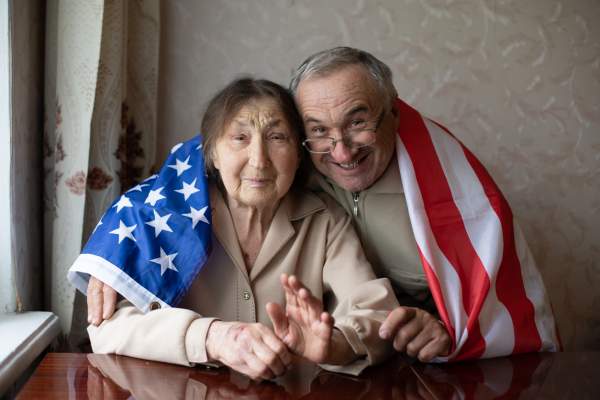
{"points": [[101, 301], [416, 332], [252, 349], [304, 327]]}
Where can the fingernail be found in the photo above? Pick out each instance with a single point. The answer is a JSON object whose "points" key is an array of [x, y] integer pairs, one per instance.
{"points": [[384, 334]]}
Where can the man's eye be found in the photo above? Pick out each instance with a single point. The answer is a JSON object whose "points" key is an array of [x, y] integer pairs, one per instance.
{"points": [[318, 130], [357, 123]]}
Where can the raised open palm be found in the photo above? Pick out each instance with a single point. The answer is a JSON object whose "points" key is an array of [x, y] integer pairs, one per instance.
{"points": [[304, 327]]}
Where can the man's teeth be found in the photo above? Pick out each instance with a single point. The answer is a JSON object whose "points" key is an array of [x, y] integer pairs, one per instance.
{"points": [[351, 165]]}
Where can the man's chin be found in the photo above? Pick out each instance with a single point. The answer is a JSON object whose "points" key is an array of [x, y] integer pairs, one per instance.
{"points": [[351, 183], [353, 180]]}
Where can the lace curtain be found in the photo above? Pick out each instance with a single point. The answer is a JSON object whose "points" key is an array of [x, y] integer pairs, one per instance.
{"points": [[101, 77]]}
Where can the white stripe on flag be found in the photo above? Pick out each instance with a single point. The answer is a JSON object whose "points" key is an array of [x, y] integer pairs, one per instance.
{"points": [[445, 272], [483, 227], [89, 264], [535, 290]]}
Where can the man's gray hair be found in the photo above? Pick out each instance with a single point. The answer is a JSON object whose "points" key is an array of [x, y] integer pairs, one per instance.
{"points": [[328, 61]]}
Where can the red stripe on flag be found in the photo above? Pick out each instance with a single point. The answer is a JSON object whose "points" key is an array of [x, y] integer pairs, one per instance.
{"points": [[509, 281], [438, 297], [446, 224]]}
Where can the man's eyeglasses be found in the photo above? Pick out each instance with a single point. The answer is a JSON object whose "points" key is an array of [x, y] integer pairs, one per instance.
{"points": [[358, 134]]}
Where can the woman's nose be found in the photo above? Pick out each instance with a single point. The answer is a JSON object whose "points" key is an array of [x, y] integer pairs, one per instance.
{"points": [[259, 154]]}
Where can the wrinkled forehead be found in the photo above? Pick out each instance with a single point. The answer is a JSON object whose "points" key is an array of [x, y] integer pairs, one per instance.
{"points": [[259, 114], [338, 91]]}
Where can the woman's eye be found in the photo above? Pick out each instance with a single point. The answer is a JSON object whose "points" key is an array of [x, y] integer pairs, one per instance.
{"points": [[277, 136], [239, 138]]}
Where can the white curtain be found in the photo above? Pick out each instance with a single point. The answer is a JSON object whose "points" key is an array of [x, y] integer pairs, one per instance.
{"points": [[101, 77]]}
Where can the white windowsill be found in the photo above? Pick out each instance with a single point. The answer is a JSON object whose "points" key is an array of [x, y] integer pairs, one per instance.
{"points": [[24, 337]]}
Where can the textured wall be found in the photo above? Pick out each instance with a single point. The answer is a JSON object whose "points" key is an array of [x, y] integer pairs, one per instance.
{"points": [[517, 81]]}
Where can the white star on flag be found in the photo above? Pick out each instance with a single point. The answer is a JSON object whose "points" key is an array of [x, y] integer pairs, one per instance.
{"points": [[123, 202], [199, 146], [188, 189], [138, 188], [181, 166], [124, 231], [150, 178], [154, 196], [197, 215], [176, 147], [160, 223], [97, 226], [165, 261]]}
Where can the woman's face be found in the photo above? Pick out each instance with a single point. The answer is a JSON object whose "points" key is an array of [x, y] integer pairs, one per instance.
{"points": [[257, 155]]}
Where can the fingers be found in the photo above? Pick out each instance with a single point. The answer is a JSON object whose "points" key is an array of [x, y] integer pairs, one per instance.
{"points": [[406, 334], [417, 333], [278, 347], [94, 301], [266, 354], [325, 327], [109, 302], [254, 350], [395, 320], [278, 318], [101, 301], [309, 308], [438, 346], [290, 296]]}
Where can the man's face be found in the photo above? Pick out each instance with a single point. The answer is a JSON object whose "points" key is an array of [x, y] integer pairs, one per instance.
{"points": [[333, 102]]}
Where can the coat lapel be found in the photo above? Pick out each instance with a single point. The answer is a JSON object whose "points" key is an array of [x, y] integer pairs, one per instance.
{"points": [[224, 230], [293, 206], [279, 233]]}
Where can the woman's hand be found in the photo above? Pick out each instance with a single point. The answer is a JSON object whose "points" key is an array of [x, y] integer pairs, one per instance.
{"points": [[252, 349], [101, 301], [304, 327]]}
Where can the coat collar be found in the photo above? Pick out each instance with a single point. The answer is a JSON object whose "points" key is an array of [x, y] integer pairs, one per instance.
{"points": [[295, 205]]}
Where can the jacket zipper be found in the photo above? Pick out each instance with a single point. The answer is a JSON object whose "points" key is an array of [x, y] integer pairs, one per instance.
{"points": [[355, 200]]}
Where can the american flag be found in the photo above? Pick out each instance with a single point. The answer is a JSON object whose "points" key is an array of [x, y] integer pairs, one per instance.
{"points": [[482, 276], [154, 239]]}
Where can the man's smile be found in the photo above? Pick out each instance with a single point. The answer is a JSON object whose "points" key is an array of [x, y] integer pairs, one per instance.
{"points": [[353, 164]]}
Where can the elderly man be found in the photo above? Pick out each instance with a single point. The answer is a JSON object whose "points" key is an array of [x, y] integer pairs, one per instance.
{"points": [[339, 92], [428, 215]]}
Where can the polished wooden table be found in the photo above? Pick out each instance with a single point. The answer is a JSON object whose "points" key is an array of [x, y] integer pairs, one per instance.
{"points": [[530, 376]]}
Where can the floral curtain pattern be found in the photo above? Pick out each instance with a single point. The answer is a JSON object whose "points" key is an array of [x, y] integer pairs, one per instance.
{"points": [[101, 83]]}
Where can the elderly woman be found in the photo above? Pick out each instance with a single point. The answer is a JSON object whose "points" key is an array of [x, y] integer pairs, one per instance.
{"points": [[280, 254]]}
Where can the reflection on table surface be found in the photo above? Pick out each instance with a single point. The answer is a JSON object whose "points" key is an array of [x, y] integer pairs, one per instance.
{"points": [[92, 376]]}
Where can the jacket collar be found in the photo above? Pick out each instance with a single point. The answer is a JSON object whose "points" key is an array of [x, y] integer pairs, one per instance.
{"points": [[295, 205]]}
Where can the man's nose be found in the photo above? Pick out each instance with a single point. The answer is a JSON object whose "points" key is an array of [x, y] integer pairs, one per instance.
{"points": [[341, 153]]}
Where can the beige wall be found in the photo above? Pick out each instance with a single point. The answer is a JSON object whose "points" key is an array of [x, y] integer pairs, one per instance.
{"points": [[517, 81]]}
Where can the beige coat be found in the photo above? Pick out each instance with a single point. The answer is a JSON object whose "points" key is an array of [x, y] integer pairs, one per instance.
{"points": [[380, 217], [310, 237]]}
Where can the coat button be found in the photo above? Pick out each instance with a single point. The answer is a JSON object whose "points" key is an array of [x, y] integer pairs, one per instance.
{"points": [[246, 295], [155, 305]]}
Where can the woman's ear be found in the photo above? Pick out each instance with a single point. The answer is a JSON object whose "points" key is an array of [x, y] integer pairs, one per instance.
{"points": [[215, 159]]}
